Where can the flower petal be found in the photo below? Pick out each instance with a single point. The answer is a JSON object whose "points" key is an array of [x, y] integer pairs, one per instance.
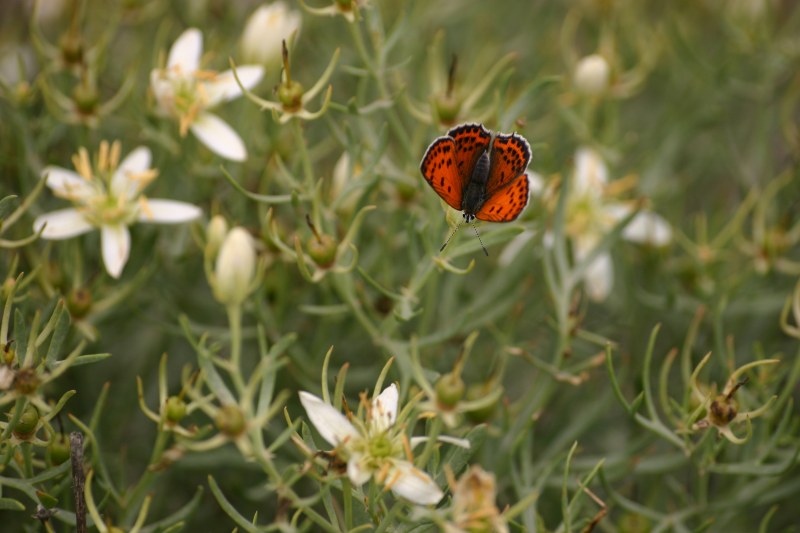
{"points": [[219, 137], [591, 173], [330, 423], [134, 163], [411, 483], [116, 244], [648, 228], [535, 182], [599, 277], [67, 184], [265, 29], [384, 409], [186, 51], [62, 224], [356, 471], [168, 211], [224, 86]]}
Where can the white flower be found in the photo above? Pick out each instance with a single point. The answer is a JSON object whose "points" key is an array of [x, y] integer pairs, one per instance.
{"points": [[376, 447], [267, 27], [592, 75], [185, 92], [591, 215], [108, 196], [343, 192], [235, 268]]}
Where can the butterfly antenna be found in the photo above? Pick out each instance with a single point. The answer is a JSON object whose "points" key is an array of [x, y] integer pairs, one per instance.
{"points": [[451, 236], [479, 239]]}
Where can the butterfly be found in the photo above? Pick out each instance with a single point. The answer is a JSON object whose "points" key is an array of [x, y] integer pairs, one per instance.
{"points": [[478, 173]]}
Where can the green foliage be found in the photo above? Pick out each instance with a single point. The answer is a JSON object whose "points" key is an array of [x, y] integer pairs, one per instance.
{"points": [[626, 358]]}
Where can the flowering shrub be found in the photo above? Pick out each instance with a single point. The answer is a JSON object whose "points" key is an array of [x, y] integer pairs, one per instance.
{"points": [[265, 332]]}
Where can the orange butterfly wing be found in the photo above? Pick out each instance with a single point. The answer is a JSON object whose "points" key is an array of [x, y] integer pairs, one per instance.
{"points": [[447, 164], [439, 169], [506, 204], [471, 141], [509, 158]]}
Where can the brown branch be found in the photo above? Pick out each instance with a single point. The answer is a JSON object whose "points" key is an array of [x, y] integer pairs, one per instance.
{"points": [[78, 480]]}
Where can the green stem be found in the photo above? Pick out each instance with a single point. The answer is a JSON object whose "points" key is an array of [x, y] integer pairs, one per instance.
{"points": [[305, 159], [144, 484], [235, 321], [376, 73]]}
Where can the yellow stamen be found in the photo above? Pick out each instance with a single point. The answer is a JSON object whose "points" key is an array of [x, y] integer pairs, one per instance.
{"points": [[82, 165], [622, 185], [145, 208], [395, 477], [102, 157], [116, 148], [407, 448], [383, 472], [205, 75], [143, 178]]}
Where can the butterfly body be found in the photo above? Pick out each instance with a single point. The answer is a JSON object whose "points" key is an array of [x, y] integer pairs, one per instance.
{"points": [[480, 174], [475, 193]]}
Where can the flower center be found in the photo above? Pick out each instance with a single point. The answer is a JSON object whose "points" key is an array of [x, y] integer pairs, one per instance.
{"points": [[106, 206], [380, 446]]}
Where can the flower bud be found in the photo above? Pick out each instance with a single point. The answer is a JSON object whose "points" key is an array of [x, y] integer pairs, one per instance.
{"points": [[450, 389], [265, 29], [72, 49], [176, 409], [592, 75], [215, 234], [322, 249], [343, 174], [58, 450], [26, 425], [290, 94], [79, 302], [722, 410], [86, 99], [26, 381], [236, 268], [447, 109], [230, 421]]}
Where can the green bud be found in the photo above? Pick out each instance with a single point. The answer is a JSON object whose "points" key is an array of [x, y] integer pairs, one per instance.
{"points": [[79, 302], [176, 409], [230, 421], [450, 389], [26, 425], [86, 99], [290, 95], [447, 109], [71, 49], [58, 451], [322, 249]]}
